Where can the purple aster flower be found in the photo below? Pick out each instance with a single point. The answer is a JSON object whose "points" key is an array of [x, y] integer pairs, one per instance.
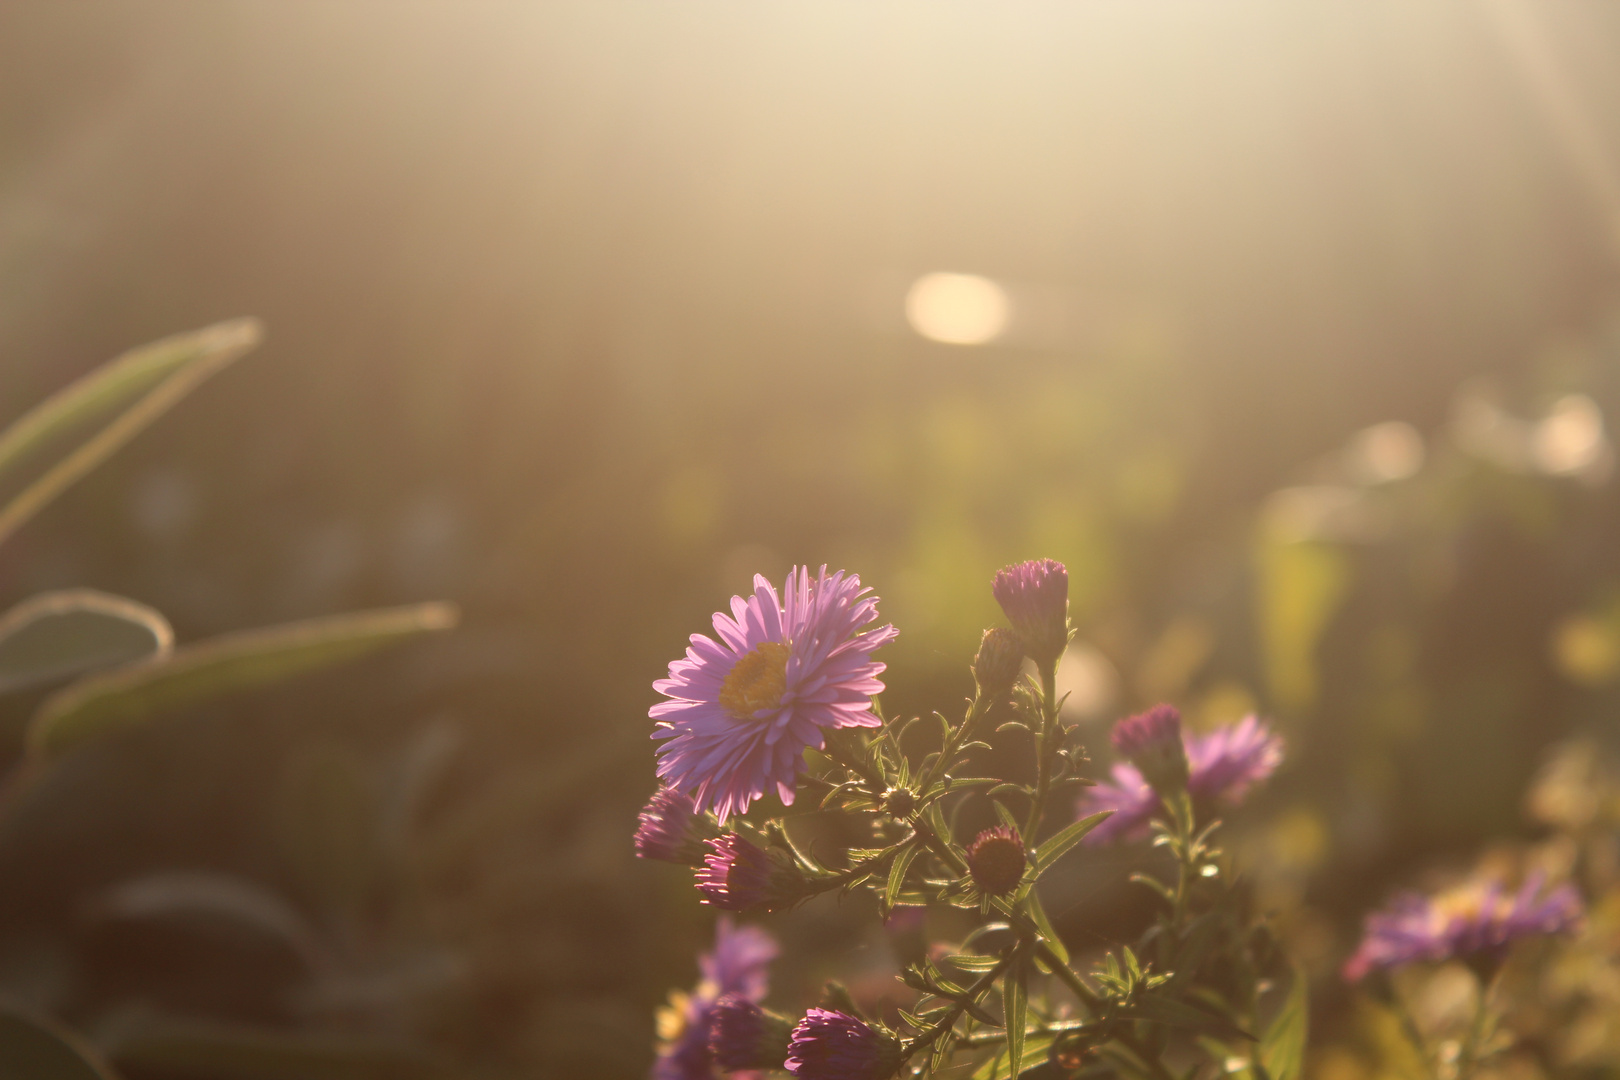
{"points": [[832, 1045], [743, 709], [745, 1036], [736, 968], [1035, 597], [670, 831], [738, 875], [1475, 922], [1152, 741], [1222, 766]]}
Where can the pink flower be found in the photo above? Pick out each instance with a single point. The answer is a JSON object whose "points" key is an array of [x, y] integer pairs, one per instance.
{"points": [[743, 709]]}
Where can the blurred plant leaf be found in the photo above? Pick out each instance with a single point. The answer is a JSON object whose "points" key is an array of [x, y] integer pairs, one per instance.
{"points": [[33, 1049], [1166, 1010], [209, 1051], [228, 664], [57, 634], [1015, 998], [188, 894], [1301, 586], [1057, 845], [144, 383], [1282, 1047]]}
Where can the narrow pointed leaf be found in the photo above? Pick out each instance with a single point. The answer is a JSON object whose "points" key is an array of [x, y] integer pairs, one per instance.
{"points": [[897, 873], [57, 634], [144, 383], [1055, 846], [1015, 998], [1044, 925], [232, 663], [1282, 1048]]}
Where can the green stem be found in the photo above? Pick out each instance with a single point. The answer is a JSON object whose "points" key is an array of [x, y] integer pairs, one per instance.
{"points": [[1181, 815], [1046, 741], [947, 753], [1470, 1055], [980, 987]]}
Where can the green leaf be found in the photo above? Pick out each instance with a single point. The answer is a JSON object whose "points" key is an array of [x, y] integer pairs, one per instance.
{"points": [[897, 873], [972, 962], [1015, 999], [1044, 925], [192, 894], [144, 383], [1165, 1010], [1057, 845], [994, 1067], [232, 663], [35, 1049], [1282, 1047], [57, 634]]}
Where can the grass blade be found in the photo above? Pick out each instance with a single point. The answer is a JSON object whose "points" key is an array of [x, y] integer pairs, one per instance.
{"points": [[231, 663], [181, 362]]}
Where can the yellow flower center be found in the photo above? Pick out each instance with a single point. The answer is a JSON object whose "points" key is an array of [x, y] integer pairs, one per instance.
{"points": [[757, 681]]}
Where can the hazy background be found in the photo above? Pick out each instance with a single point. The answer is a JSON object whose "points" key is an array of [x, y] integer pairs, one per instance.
{"points": [[581, 314]]}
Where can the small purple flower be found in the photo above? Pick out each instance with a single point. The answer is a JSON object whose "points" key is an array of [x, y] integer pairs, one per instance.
{"points": [[670, 831], [745, 1036], [832, 1045], [736, 968], [997, 664], [996, 860], [1035, 597], [743, 709], [738, 875], [1152, 741], [1222, 766], [1475, 922]]}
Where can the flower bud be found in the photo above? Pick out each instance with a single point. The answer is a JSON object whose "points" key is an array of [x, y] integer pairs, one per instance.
{"points": [[997, 664], [996, 860], [670, 829], [1152, 741], [832, 1045], [1035, 597], [738, 875], [899, 801], [745, 1036]]}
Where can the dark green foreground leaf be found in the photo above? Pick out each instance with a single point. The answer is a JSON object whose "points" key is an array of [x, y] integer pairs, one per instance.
{"points": [[127, 697], [32, 1049], [1282, 1047], [58, 634]]}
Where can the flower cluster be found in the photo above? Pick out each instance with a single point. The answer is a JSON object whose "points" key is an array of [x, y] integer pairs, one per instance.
{"points": [[783, 700], [735, 970], [1475, 922], [1221, 768]]}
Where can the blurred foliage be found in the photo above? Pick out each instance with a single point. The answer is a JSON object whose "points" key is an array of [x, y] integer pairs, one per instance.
{"points": [[569, 328]]}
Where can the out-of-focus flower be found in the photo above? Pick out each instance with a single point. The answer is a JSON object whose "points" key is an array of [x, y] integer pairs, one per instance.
{"points": [[736, 968], [1152, 741], [1221, 768], [1474, 922], [743, 709], [832, 1045], [996, 665], [745, 1036], [669, 829], [996, 860], [739, 875], [1035, 597]]}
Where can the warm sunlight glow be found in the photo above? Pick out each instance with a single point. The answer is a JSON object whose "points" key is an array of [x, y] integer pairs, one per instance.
{"points": [[958, 309]]}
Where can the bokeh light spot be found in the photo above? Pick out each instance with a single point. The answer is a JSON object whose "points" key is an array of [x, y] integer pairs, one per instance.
{"points": [[958, 309]]}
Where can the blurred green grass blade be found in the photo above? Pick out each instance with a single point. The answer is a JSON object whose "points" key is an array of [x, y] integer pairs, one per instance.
{"points": [[36, 1050], [73, 631], [176, 365], [1282, 1047], [115, 700]]}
